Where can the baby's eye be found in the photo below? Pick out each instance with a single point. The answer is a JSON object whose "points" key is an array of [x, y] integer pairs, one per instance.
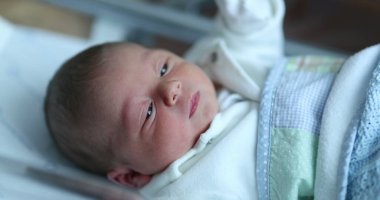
{"points": [[163, 70], [150, 111]]}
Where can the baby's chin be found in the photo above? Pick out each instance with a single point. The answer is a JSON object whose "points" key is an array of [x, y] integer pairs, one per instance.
{"points": [[204, 129]]}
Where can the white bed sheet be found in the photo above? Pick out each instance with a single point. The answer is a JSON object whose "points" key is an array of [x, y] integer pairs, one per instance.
{"points": [[28, 59]]}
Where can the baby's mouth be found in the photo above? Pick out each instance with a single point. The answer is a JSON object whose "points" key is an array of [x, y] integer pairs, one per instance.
{"points": [[194, 103]]}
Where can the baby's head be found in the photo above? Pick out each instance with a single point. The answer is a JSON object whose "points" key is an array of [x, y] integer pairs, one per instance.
{"points": [[126, 111]]}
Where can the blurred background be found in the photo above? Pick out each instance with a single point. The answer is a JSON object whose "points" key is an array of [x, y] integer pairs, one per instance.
{"points": [[339, 25]]}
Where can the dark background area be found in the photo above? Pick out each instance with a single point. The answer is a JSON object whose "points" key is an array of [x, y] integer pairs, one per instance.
{"points": [[341, 25]]}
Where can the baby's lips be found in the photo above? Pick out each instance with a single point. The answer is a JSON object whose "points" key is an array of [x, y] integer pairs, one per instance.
{"points": [[194, 101]]}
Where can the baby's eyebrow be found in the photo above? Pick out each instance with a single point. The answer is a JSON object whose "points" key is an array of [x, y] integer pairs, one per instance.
{"points": [[141, 117], [128, 116], [148, 55]]}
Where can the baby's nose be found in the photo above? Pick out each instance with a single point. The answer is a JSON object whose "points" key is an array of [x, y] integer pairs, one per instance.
{"points": [[171, 91]]}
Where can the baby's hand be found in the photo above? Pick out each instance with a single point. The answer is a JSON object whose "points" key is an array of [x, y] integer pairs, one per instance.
{"points": [[237, 14]]}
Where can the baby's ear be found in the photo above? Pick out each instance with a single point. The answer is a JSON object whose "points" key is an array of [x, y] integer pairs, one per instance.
{"points": [[128, 177]]}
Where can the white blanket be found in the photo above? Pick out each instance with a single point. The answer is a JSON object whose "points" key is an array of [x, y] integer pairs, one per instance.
{"points": [[346, 97]]}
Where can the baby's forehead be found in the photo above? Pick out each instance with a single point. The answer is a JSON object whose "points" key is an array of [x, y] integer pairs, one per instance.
{"points": [[130, 48], [131, 58], [119, 54]]}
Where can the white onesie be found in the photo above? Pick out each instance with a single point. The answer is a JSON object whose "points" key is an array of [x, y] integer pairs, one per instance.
{"points": [[222, 163]]}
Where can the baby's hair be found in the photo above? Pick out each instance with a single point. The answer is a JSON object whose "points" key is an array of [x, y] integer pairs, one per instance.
{"points": [[70, 110]]}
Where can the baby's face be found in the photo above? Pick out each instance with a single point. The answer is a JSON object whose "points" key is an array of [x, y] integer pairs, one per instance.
{"points": [[161, 102]]}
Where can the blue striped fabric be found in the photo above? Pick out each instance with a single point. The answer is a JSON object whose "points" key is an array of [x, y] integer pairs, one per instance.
{"points": [[291, 109]]}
